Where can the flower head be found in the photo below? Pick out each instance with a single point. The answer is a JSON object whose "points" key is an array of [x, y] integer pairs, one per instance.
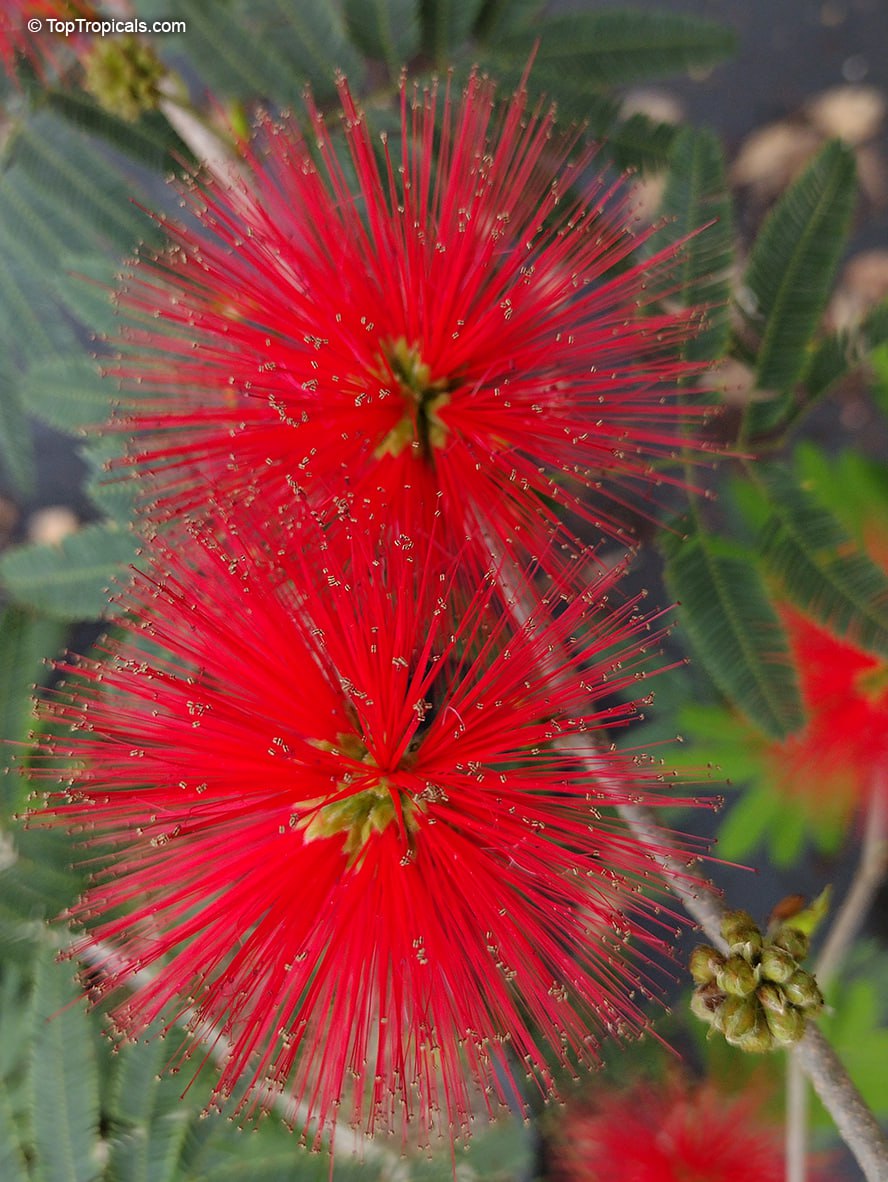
{"points": [[364, 838], [431, 324], [841, 754], [669, 1132]]}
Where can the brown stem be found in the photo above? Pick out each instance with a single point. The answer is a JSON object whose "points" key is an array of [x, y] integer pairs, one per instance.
{"points": [[858, 1127], [868, 877]]}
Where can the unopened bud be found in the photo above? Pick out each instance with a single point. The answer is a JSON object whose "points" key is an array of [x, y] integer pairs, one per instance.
{"points": [[772, 997], [705, 963], [787, 1025], [737, 1018], [737, 976], [758, 1039], [777, 964], [802, 990], [706, 1003], [738, 927], [793, 941]]}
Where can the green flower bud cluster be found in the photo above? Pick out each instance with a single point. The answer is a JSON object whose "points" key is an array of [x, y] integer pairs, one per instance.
{"points": [[124, 75], [757, 996]]}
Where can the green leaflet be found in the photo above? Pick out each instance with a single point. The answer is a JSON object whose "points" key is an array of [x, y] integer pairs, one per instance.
{"points": [[446, 27], [12, 1158], [840, 352], [388, 30], [151, 140], [60, 199], [804, 546], [70, 581], [269, 48], [152, 1122], [69, 393], [64, 1079], [792, 267], [615, 46], [16, 447], [734, 629], [115, 492], [26, 641], [500, 17], [850, 485], [696, 196], [640, 142]]}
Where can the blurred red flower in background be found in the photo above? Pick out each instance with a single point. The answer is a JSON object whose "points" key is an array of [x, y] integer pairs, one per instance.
{"points": [[25, 34], [668, 1132], [365, 838], [447, 322], [840, 757]]}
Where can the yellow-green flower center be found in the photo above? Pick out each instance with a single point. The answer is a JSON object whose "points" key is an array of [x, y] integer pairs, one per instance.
{"points": [[360, 814], [421, 426]]}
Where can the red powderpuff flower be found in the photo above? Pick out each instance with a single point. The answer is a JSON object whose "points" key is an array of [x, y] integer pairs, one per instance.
{"points": [[430, 323], [840, 757], [25, 33], [345, 836], [669, 1132]]}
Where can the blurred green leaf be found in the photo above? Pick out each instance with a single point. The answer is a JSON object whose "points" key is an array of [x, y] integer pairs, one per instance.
{"points": [[69, 393], [840, 352], [388, 30], [854, 1023], [26, 641], [70, 581], [149, 1134], [16, 448], [696, 196], [747, 821], [14, 1032], [616, 46], [804, 546], [639, 142], [114, 492], [850, 485], [499, 17], [734, 629], [36, 878], [64, 1081], [792, 267], [85, 289], [269, 49], [446, 27], [151, 140]]}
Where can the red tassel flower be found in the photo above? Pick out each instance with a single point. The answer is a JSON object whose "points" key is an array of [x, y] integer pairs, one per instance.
{"points": [[364, 838], [451, 320]]}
